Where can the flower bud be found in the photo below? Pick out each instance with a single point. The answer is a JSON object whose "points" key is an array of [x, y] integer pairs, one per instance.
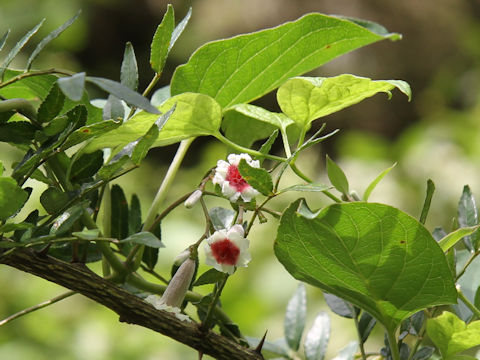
{"points": [[180, 258], [179, 284], [193, 198]]}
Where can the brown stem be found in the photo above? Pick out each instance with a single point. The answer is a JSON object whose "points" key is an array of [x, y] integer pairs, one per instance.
{"points": [[130, 308]]}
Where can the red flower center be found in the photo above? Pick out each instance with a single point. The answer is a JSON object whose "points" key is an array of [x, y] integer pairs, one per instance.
{"points": [[225, 252], [235, 179]]}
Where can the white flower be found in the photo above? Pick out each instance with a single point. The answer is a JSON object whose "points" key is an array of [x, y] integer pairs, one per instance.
{"points": [[158, 304], [227, 249], [232, 183]]}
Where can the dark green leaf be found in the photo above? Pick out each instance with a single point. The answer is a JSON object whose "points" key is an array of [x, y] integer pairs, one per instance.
{"points": [[18, 46], [134, 216], [109, 170], [56, 126], [5, 116], [365, 325], [87, 234], [3, 40], [312, 187], [211, 276], [339, 306], [52, 105], [179, 29], [124, 93], [144, 238], [65, 221], [372, 255], [29, 88], [17, 132], [245, 67], [53, 200], [295, 315], [12, 197], [119, 213], [468, 216], [337, 177], [33, 219], [161, 40], [129, 69], [73, 86], [424, 353], [13, 227], [267, 146], [150, 254], [86, 166], [221, 218], [54, 34], [113, 109], [375, 182], [258, 178], [316, 341], [476, 300]]}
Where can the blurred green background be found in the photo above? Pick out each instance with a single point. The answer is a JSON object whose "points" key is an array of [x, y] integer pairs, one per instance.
{"points": [[436, 135]]}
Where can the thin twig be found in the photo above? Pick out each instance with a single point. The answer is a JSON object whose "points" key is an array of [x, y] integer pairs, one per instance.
{"points": [[37, 307]]}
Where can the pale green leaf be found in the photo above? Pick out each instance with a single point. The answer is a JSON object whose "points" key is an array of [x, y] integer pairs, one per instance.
{"points": [[316, 341], [161, 40], [195, 115], [375, 182], [372, 255], [337, 177], [129, 68], [144, 238], [312, 187], [3, 39], [295, 315], [179, 29], [451, 239], [73, 86], [87, 234], [305, 99], [245, 67], [468, 216]]}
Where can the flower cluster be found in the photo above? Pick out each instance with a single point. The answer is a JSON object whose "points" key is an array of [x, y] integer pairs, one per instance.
{"points": [[227, 249], [233, 185]]}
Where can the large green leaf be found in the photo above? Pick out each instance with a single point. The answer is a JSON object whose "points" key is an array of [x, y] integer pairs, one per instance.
{"points": [[452, 335], [372, 255], [305, 99], [245, 67], [195, 115]]}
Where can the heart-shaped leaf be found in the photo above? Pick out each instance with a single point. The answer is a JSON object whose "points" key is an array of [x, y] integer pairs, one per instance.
{"points": [[245, 67], [305, 99], [372, 255]]}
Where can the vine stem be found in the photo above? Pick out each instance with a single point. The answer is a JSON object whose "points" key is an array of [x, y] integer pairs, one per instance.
{"points": [[37, 307], [393, 344], [473, 308], [166, 183]]}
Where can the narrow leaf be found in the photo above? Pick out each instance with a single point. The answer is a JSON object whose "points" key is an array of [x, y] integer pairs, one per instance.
{"points": [[52, 105], [257, 178], [113, 109], [365, 325], [119, 214], [144, 238], [3, 39], [451, 239], [243, 68], [54, 34], [134, 215], [86, 166], [73, 86], [468, 216], [18, 46], [6, 228], [162, 40], [337, 177], [12, 197], [312, 187], [295, 317], [375, 182], [428, 201], [179, 29], [339, 306], [317, 338], [65, 221], [267, 146], [129, 69], [124, 93], [424, 353], [90, 131]]}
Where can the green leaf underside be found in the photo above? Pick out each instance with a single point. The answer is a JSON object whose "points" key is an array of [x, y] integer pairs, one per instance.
{"points": [[373, 255], [452, 335], [337, 176], [312, 187], [73, 86], [375, 182], [129, 68], [468, 216], [305, 99], [144, 238], [195, 115], [316, 340], [295, 315], [245, 67]]}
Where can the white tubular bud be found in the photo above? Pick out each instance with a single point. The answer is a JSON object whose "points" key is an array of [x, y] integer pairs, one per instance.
{"points": [[178, 286], [193, 198], [180, 258]]}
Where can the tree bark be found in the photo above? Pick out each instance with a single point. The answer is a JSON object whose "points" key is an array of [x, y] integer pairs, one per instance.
{"points": [[130, 308]]}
